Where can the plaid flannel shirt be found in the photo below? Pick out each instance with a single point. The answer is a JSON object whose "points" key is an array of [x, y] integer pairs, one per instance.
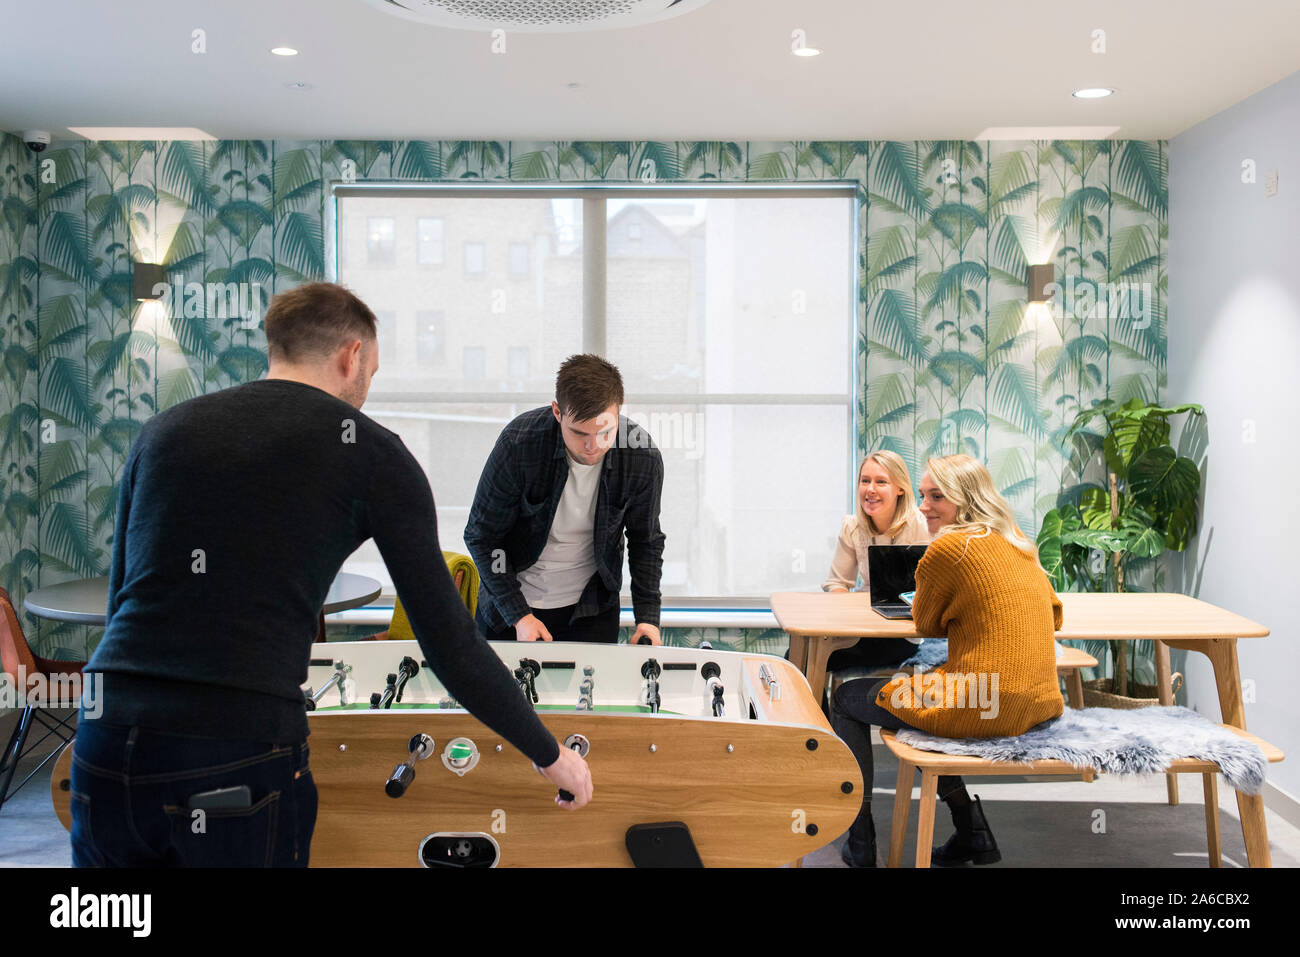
{"points": [[516, 500]]}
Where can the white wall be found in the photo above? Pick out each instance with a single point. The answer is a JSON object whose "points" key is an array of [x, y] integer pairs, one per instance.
{"points": [[1234, 347]]}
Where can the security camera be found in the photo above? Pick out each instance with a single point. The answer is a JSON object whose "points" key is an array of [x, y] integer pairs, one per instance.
{"points": [[36, 140]]}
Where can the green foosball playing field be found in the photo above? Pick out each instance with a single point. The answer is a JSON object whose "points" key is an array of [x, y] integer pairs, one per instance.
{"points": [[430, 706]]}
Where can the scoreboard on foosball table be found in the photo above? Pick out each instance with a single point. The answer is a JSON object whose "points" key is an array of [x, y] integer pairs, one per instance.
{"points": [[697, 757]]}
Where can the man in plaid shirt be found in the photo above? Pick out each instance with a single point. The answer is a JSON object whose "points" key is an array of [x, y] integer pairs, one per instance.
{"points": [[562, 487]]}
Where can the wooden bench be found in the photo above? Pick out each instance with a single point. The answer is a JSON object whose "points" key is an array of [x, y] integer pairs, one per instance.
{"points": [[932, 764]]}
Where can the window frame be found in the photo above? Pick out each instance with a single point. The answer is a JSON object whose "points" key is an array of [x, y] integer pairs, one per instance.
{"points": [[595, 218]]}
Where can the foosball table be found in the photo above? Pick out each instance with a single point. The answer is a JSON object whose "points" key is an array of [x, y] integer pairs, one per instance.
{"points": [[697, 757]]}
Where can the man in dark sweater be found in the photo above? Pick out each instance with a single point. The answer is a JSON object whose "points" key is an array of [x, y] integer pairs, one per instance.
{"points": [[235, 512]]}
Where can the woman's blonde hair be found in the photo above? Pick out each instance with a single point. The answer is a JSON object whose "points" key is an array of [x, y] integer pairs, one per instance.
{"points": [[905, 511], [980, 508]]}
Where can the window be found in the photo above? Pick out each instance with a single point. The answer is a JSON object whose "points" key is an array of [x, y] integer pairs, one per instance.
{"points": [[381, 241], [429, 242], [519, 259], [517, 362], [428, 338], [386, 333], [475, 362], [473, 259], [730, 313]]}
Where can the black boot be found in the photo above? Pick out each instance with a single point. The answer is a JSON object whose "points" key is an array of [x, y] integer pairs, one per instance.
{"points": [[973, 841], [859, 848]]}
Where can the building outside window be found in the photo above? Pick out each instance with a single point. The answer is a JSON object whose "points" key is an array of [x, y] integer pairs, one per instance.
{"points": [[428, 234]]}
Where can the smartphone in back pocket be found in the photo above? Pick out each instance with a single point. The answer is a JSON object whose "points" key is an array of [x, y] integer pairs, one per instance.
{"points": [[222, 799]]}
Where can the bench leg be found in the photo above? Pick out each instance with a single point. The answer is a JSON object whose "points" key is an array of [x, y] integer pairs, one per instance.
{"points": [[925, 828], [1212, 818], [1074, 681], [902, 805], [1165, 692], [1253, 829]]}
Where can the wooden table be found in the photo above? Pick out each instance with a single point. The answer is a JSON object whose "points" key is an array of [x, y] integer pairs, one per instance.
{"points": [[85, 602], [819, 623]]}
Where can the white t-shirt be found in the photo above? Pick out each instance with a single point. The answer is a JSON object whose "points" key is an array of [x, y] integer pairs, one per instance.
{"points": [[568, 561]]}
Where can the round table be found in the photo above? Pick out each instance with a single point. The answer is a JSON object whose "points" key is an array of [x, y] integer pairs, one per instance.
{"points": [[85, 602]]}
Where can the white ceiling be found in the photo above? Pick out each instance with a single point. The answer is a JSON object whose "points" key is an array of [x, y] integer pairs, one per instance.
{"points": [[928, 69]]}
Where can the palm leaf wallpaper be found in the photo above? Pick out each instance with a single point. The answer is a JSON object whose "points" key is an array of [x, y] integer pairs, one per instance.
{"points": [[949, 355]]}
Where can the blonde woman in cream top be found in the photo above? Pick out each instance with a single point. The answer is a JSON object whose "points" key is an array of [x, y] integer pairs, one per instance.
{"points": [[886, 514]]}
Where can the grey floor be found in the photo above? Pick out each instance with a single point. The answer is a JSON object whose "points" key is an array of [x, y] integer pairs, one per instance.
{"points": [[1112, 822]]}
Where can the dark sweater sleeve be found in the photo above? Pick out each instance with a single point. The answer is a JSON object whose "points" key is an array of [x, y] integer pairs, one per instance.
{"points": [[405, 528]]}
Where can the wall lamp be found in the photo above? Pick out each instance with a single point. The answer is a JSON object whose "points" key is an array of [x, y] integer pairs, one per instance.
{"points": [[144, 277], [1041, 280]]}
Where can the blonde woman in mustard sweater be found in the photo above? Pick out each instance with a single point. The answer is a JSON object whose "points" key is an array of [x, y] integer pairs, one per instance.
{"points": [[979, 585], [886, 514]]}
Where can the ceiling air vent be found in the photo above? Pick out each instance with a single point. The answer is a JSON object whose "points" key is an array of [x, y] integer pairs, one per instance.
{"points": [[537, 16]]}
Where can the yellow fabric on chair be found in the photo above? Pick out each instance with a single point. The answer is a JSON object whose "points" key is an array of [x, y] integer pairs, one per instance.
{"points": [[463, 573]]}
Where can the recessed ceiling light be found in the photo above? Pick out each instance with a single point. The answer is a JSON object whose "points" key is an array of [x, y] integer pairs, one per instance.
{"points": [[284, 51], [299, 85], [807, 51], [1092, 93]]}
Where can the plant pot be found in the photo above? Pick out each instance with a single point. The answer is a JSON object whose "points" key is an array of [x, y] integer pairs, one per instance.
{"points": [[1100, 693]]}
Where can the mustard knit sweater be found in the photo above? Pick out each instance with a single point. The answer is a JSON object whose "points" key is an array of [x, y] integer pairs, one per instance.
{"points": [[999, 612]]}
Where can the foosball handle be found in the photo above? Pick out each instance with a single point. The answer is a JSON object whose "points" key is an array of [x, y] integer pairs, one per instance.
{"points": [[568, 795], [399, 780], [644, 640]]}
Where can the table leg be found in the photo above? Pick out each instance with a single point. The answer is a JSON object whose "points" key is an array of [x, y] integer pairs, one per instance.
{"points": [[1165, 694], [1222, 653], [1074, 682], [799, 652], [819, 652]]}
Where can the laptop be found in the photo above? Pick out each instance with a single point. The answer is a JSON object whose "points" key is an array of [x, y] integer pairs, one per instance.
{"points": [[893, 573]]}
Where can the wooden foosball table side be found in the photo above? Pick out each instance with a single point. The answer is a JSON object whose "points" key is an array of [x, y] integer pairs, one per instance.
{"points": [[752, 792]]}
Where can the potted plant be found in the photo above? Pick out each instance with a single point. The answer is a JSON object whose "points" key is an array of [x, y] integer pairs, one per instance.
{"points": [[1100, 532]]}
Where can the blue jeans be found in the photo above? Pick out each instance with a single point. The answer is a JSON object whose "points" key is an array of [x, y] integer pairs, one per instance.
{"points": [[131, 791]]}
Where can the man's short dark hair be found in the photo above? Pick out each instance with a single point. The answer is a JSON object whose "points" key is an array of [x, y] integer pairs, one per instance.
{"points": [[314, 320], [586, 386]]}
